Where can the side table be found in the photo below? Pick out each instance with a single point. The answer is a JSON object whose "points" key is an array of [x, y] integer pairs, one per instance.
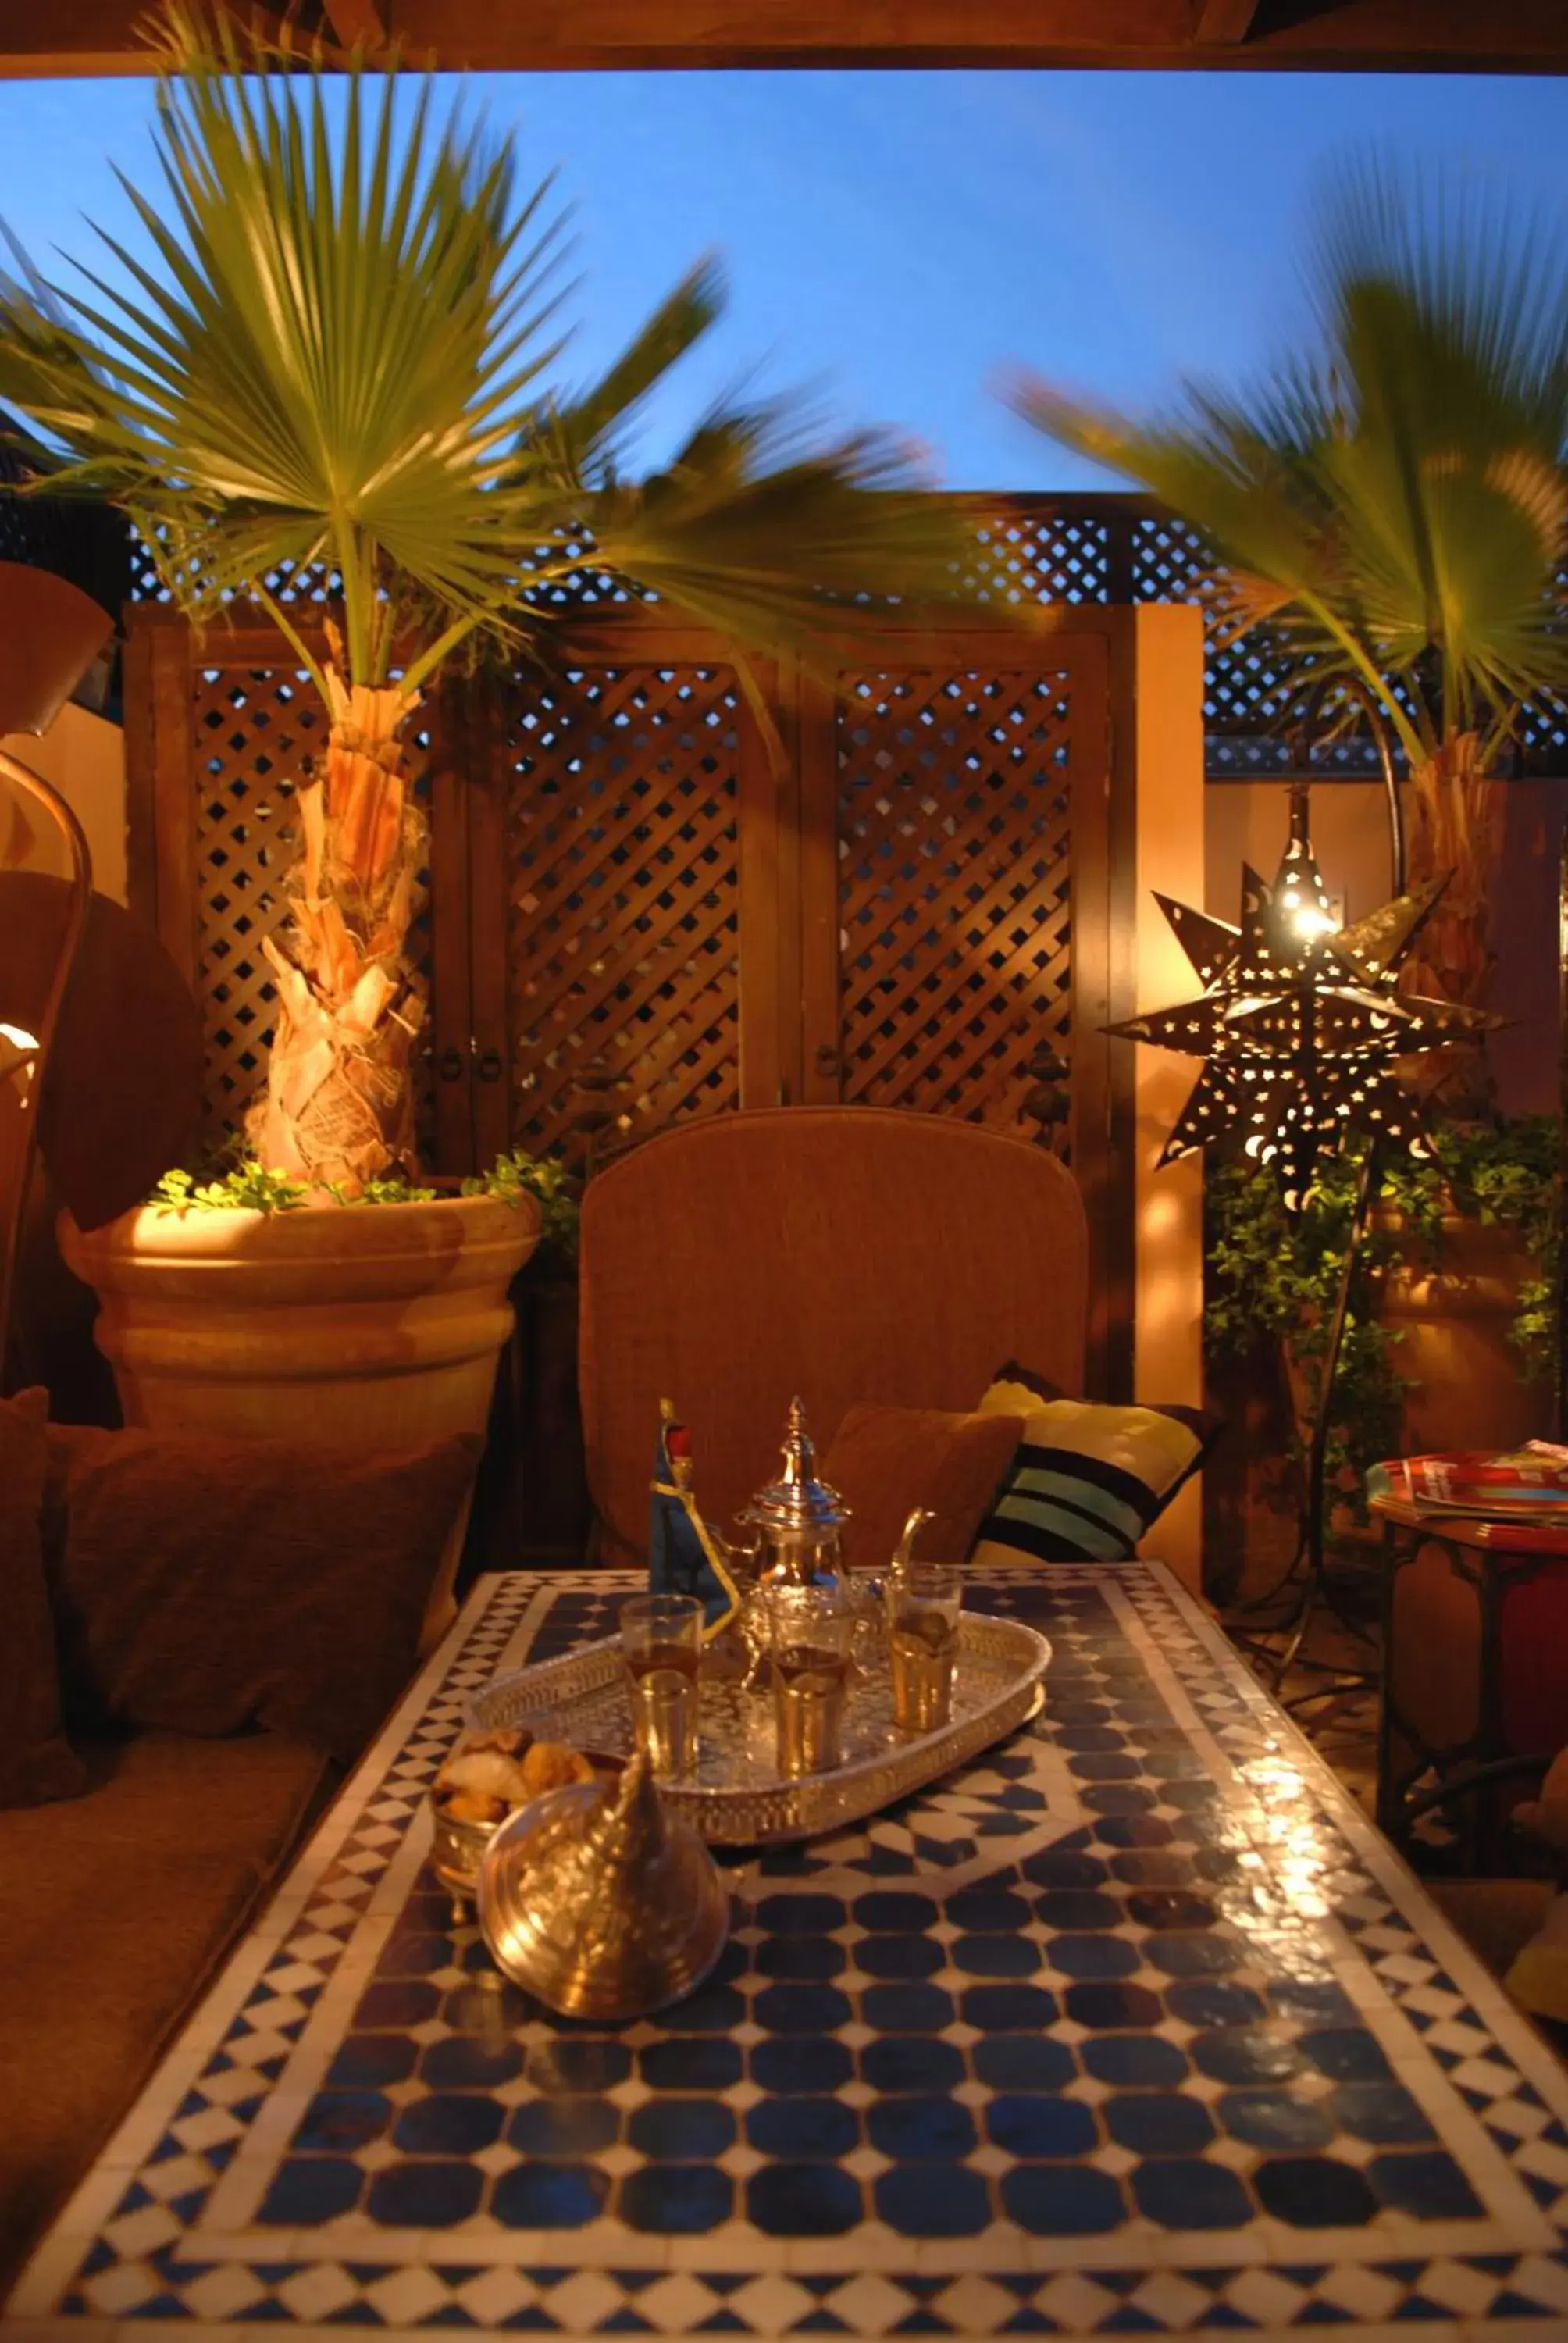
{"points": [[1475, 1672]]}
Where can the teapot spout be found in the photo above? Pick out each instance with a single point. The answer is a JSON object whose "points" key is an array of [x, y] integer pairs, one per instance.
{"points": [[912, 1529]]}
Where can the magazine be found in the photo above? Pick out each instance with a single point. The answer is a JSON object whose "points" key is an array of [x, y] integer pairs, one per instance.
{"points": [[1520, 1485]]}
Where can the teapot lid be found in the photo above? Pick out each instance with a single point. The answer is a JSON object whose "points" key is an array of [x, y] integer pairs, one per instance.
{"points": [[798, 1503]]}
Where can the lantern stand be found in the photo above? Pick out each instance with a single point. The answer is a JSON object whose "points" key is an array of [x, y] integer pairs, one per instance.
{"points": [[1301, 1027], [1316, 1585]]}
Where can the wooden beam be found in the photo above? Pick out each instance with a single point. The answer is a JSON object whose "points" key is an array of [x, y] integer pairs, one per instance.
{"points": [[83, 36], [1219, 21], [358, 23]]}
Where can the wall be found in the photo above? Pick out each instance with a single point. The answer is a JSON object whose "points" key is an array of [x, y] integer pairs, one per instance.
{"points": [[1168, 1349], [84, 757]]}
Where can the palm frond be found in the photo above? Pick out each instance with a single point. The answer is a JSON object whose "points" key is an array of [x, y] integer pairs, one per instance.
{"points": [[781, 537], [327, 357], [1396, 505]]}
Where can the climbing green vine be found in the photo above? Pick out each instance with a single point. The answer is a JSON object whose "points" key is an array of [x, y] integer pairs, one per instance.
{"points": [[1268, 1276]]}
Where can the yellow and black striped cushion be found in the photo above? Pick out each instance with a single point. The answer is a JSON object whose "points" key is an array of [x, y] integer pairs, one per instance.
{"points": [[1088, 1482]]}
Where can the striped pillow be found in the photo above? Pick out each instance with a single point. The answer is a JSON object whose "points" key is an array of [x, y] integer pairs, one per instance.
{"points": [[1088, 1480]]}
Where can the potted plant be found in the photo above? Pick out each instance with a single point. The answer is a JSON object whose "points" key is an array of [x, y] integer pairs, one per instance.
{"points": [[337, 365], [1390, 509]]}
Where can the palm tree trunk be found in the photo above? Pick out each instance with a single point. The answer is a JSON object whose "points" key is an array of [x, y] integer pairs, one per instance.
{"points": [[338, 1108], [1456, 827]]}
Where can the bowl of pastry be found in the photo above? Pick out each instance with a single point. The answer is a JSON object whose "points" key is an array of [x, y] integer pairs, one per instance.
{"points": [[485, 1780]]}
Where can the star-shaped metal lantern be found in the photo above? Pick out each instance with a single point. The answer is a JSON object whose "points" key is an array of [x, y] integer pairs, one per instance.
{"points": [[1300, 1021]]}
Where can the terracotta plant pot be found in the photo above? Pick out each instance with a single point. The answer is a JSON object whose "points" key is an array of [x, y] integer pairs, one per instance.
{"points": [[375, 1328], [1469, 1387]]}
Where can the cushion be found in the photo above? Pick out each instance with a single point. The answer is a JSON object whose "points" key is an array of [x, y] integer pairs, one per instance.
{"points": [[886, 1460], [36, 1762], [204, 1585], [1088, 1480], [111, 1917]]}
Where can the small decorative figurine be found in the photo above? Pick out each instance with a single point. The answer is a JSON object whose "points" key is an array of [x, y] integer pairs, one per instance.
{"points": [[683, 1554]]}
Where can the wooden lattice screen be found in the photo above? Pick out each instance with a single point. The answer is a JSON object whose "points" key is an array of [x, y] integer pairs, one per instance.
{"points": [[647, 903], [1074, 551]]}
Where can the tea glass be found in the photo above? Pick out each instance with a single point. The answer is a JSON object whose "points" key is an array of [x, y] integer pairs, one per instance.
{"points": [[810, 1631], [924, 1600], [661, 1649]]}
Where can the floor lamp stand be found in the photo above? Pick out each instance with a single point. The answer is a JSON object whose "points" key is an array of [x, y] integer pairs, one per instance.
{"points": [[1309, 1571]]}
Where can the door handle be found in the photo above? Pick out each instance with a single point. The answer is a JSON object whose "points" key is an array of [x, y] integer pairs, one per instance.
{"points": [[450, 1065], [489, 1066]]}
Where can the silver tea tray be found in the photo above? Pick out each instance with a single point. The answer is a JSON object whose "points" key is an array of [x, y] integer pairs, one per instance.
{"points": [[738, 1796]]}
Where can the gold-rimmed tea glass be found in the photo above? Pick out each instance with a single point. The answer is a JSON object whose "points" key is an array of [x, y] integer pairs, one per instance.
{"points": [[661, 1647], [811, 1631], [924, 1600]]}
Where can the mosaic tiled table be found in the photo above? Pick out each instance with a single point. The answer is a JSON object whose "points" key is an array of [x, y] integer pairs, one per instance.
{"points": [[1134, 2026]]}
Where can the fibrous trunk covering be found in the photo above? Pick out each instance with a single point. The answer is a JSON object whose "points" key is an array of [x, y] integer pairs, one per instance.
{"points": [[338, 1110], [1456, 826]]}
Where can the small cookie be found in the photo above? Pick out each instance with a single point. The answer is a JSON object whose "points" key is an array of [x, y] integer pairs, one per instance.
{"points": [[511, 1740], [486, 1773], [468, 1807], [551, 1766]]}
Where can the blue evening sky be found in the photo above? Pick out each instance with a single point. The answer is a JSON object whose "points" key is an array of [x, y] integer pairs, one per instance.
{"points": [[894, 239]]}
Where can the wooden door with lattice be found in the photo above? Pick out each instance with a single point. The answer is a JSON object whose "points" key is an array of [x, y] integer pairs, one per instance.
{"points": [[624, 889], [660, 887], [955, 884]]}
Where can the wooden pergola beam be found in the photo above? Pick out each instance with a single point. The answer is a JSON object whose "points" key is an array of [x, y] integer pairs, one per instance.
{"points": [[1221, 22], [358, 23], [96, 37]]}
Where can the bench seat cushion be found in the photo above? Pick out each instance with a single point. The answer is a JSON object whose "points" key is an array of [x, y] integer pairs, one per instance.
{"points": [[114, 1910]]}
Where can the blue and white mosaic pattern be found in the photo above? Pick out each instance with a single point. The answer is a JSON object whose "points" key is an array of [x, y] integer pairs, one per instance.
{"points": [[1135, 2027]]}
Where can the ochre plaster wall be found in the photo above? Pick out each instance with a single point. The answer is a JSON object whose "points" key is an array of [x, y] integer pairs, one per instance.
{"points": [[84, 757], [1246, 821], [1168, 1348]]}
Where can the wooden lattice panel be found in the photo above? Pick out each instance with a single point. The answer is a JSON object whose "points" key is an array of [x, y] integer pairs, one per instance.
{"points": [[1074, 549], [955, 888], [253, 731], [1034, 553], [623, 951]]}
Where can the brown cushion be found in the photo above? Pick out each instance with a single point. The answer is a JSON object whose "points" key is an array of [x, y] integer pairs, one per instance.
{"points": [[202, 1585], [36, 1761], [886, 1459], [111, 1916]]}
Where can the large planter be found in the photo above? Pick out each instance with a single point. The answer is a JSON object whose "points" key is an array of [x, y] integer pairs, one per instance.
{"points": [[374, 1328], [1469, 1385]]}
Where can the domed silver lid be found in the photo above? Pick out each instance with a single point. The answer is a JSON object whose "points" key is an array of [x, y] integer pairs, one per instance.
{"points": [[798, 1504], [599, 1903]]}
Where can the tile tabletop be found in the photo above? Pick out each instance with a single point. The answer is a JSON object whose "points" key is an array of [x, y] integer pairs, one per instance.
{"points": [[1133, 2026]]}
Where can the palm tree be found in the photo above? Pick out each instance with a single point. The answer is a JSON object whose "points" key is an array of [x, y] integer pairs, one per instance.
{"points": [[336, 364], [1393, 508]]}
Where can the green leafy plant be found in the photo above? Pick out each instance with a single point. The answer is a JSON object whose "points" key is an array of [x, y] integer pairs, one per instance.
{"points": [[242, 1184], [241, 1187], [337, 365], [1275, 1275], [517, 1174]]}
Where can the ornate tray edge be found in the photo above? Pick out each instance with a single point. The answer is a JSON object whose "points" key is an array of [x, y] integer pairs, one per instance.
{"points": [[821, 1803]]}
